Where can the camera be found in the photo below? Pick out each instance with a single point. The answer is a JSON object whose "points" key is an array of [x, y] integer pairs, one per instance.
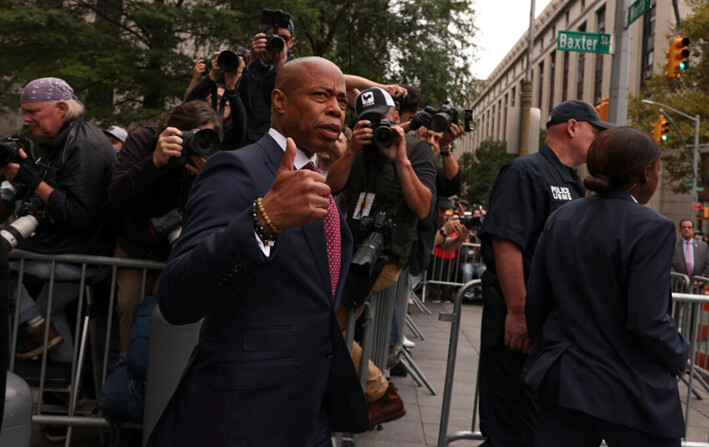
{"points": [[10, 149], [275, 43], [228, 60], [275, 19], [445, 116], [25, 225], [383, 135], [369, 258], [201, 142], [168, 226], [470, 222], [422, 118]]}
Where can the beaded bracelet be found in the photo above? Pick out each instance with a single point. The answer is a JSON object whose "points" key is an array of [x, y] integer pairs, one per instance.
{"points": [[266, 237], [269, 224]]}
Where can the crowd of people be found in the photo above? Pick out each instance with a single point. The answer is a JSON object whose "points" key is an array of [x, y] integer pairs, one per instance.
{"points": [[285, 222]]}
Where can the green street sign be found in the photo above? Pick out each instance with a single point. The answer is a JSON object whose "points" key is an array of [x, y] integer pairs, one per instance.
{"points": [[688, 182], [637, 9], [701, 188], [584, 42]]}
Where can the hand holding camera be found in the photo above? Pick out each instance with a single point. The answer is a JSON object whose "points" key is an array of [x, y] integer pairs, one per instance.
{"points": [[189, 149], [28, 173]]}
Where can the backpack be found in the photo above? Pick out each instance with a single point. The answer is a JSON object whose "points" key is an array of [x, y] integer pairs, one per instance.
{"points": [[123, 393]]}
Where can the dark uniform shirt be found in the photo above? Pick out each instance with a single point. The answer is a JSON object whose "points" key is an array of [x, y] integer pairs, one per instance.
{"points": [[525, 192]]}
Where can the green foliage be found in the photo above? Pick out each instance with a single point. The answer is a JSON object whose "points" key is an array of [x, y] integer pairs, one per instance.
{"points": [[688, 94], [480, 171], [132, 59]]}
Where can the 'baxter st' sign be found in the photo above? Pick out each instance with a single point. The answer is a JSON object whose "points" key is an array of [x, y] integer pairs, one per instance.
{"points": [[584, 42]]}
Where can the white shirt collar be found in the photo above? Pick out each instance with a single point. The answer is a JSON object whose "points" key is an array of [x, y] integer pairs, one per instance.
{"points": [[300, 158]]}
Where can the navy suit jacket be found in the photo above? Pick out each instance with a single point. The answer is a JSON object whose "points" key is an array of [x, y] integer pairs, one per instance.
{"points": [[598, 299], [700, 265], [271, 361]]}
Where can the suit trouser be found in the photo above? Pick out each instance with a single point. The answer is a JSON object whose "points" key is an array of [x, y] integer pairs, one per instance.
{"points": [[508, 413], [377, 384], [130, 291]]}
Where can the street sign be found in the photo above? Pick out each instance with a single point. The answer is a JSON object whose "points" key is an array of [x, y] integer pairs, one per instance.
{"points": [[637, 9], [688, 182], [584, 42], [697, 206], [701, 188]]}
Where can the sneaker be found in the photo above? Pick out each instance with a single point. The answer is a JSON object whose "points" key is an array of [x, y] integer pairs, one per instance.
{"points": [[393, 356], [408, 343], [387, 408], [33, 343], [55, 433], [398, 370]]}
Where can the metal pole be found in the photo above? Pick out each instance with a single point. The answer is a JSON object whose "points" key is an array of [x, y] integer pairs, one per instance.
{"points": [[695, 164], [620, 67]]}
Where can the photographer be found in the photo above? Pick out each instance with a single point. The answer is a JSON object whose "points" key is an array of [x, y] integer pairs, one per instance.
{"points": [[65, 191], [218, 88], [152, 178], [395, 177], [269, 51]]}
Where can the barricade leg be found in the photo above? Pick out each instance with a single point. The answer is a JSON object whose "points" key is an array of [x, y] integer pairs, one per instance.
{"points": [[454, 318]]}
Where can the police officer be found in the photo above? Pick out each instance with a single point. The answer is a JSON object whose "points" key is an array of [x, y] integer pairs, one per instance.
{"points": [[525, 192]]}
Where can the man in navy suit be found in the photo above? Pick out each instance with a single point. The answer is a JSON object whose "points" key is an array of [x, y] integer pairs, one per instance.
{"points": [[691, 256], [260, 259]]}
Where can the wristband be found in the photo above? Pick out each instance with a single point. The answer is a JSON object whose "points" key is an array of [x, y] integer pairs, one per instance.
{"points": [[266, 237], [442, 233], [446, 154]]}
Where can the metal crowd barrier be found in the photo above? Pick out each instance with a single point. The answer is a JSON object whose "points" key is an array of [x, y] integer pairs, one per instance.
{"points": [[445, 272], [690, 309], [86, 336]]}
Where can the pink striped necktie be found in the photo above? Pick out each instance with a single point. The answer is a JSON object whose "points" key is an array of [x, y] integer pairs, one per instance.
{"points": [[688, 258], [332, 236]]}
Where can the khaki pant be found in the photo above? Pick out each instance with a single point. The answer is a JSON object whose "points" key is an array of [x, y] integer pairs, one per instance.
{"points": [[377, 384], [130, 291]]}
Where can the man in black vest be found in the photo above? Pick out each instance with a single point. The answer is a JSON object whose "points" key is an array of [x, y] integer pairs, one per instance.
{"points": [[382, 171]]}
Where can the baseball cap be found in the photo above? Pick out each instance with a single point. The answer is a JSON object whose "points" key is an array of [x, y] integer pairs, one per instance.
{"points": [[576, 110], [117, 132], [445, 203], [373, 100]]}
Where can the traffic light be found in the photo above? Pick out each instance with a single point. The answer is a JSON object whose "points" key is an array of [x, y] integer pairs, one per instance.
{"points": [[677, 57], [602, 109], [664, 128]]}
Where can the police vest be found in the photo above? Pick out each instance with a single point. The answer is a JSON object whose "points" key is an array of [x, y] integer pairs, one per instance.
{"points": [[374, 173]]}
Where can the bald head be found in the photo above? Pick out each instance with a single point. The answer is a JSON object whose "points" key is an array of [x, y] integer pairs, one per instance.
{"points": [[296, 70], [309, 102]]}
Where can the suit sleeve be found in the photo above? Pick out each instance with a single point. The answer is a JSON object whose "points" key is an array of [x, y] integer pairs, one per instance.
{"points": [[217, 251], [649, 297], [705, 257], [539, 300]]}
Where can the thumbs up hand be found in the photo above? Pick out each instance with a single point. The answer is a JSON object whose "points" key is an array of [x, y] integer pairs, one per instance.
{"points": [[296, 197]]}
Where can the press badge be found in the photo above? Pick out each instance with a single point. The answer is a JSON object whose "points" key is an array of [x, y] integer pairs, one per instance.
{"points": [[364, 205]]}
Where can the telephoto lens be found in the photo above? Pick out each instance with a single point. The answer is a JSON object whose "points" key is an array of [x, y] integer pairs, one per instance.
{"points": [[18, 231], [275, 43]]}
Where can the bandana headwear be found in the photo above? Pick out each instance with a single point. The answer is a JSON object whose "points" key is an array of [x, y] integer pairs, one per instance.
{"points": [[47, 89]]}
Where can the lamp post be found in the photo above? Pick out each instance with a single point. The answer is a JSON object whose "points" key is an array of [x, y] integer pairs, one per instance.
{"points": [[695, 155]]}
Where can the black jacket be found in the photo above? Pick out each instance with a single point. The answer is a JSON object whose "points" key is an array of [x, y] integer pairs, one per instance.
{"points": [[139, 191], [78, 164]]}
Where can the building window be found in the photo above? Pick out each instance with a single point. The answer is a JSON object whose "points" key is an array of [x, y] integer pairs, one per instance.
{"points": [[552, 77], [541, 84], [513, 97], [565, 83]]}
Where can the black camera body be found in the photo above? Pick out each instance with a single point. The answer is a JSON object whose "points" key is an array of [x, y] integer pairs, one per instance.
{"points": [[228, 61], [10, 149], [369, 258], [382, 136], [275, 19], [445, 116], [168, 226], [470, 222], [201, 142]]}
